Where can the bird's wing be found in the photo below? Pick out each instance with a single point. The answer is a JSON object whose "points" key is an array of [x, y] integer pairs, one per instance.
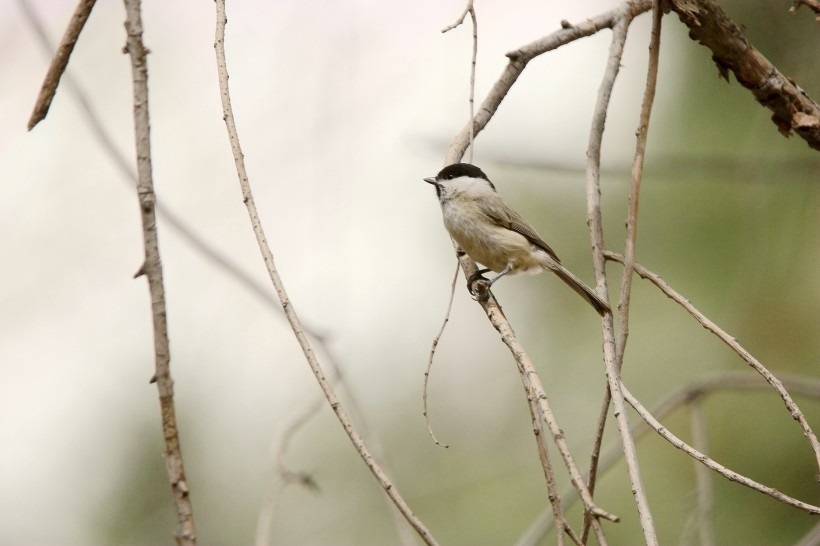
{"points": [[504, 216]]}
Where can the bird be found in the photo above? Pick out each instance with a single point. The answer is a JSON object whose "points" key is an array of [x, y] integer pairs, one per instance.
{"points": [[494, 235]]}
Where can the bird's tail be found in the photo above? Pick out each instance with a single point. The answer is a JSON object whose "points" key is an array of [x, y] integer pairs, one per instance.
{"points": [[582, 289]]}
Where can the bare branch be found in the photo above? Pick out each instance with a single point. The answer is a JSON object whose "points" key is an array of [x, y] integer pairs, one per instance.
{"points": [[523, 55], [467, 9], [706, 497], [472, 78], [471, 10], [792, 108], [152, 269], [689, 394], [433, 354], [209, 251], [597, 238], [290, 312], [733, 344], [60, 61], [710, 463], [642, 133], [534, 387], [562, 525]]}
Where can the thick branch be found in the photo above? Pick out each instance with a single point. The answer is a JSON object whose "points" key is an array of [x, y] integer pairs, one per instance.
{"points": [[792, 108]]}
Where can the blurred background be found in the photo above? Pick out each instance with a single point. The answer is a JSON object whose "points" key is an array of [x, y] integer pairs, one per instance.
{"points": [[342, 108]]}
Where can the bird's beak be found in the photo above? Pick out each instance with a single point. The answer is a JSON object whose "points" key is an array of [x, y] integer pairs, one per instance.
{"points": [[430, 180]]}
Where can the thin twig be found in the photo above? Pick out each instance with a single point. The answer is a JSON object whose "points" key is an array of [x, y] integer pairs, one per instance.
{"points": [[472, 77], [710, 463], [175, 222], [597, 239], [562, 525], [625, 294], [433, 354], [534, 388], [471, 10], [152, 269], [264, 522], [691, 393], [60, 62], [267, 509], [523, 55], [460, 19], [733, 344], [287, 475], [706, 496], [290, 313]]}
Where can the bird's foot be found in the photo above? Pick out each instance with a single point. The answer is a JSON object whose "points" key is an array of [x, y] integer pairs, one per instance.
{"points": [[479, 286]]}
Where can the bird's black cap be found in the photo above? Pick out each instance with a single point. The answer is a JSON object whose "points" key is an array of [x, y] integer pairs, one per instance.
{"points": [[457, 170]]}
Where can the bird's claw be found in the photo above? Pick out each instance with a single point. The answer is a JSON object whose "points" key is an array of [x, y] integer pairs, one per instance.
{"points": [[479, 287]]}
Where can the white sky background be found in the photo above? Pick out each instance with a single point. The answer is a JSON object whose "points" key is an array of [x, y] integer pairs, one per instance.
{"points": [[342, 108]]}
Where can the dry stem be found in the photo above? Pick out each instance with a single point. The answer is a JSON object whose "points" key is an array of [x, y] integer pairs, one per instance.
{"points": [[689, 394], [433, 354], [611, 349], [290, 313], [710, 463], [152, 269], [792, 108], [733, 344], [60, 62]]}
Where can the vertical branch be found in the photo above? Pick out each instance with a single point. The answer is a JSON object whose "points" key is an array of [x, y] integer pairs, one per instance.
{"points": [[469, 8], [290, 313], [152, 269], [635, 188], [472, 78], [706, 498], [597, 238]]}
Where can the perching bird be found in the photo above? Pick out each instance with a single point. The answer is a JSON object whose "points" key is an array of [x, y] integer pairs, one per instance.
{"points": [[493, 234]]}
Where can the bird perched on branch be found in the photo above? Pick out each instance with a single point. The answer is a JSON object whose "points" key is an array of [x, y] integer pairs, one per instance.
{"points": [[495, 235]]}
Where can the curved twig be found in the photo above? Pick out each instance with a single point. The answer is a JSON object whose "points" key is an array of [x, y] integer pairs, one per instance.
{"points": [[432, 356], [691, 393], [733, 344], [290, 313], [711, 463]]}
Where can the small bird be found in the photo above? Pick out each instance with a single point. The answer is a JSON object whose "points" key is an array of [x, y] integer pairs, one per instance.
{"points": [[493, 234]]}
